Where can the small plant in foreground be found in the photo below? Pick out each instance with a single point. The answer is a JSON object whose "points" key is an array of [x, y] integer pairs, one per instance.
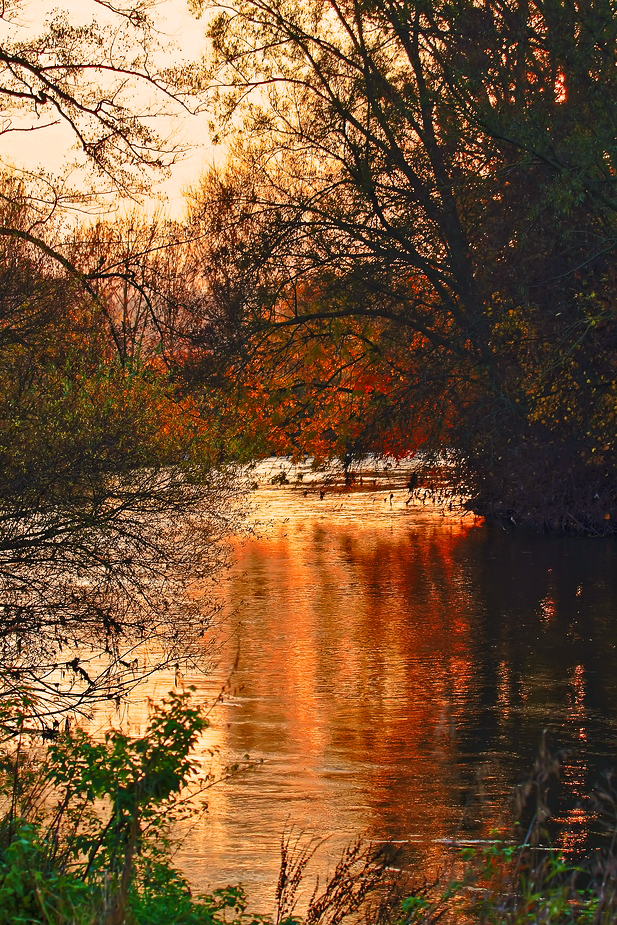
{"points": [[523, 880], [503, 885], [84, 838]]}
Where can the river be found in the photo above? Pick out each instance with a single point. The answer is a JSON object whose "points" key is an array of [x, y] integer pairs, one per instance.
{"points": [[390, 671]]}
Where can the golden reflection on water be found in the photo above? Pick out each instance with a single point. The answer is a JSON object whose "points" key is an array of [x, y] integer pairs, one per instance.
{"points": [[352, 706], [577, 820], [387, 670]]}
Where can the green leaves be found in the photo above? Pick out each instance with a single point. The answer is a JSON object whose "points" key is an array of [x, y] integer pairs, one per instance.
{"points": [[134, 777], [100, 843]]}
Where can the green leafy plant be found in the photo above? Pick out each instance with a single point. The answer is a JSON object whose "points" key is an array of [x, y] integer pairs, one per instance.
{"points": [[85, 834], [503, 884]]}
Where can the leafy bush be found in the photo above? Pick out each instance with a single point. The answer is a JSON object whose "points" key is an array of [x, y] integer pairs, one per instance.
{"points": [[85, 834]]}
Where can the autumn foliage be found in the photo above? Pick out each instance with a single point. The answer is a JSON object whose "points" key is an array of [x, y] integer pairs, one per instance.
{"points": [[423, 207]]}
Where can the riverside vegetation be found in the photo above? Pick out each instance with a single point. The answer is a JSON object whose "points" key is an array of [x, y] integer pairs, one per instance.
{"points": [[440, 279], [85, 838]]}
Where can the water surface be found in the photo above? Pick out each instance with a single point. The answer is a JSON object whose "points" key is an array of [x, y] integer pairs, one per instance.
{"points": [[390, 671]]}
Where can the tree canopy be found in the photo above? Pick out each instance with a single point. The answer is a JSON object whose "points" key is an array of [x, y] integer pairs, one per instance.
{"points": [[101, 73], [443, 176], [114, 496]]}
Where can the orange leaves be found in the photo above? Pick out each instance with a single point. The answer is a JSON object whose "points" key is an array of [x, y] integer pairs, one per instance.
{"points": [[338, 386]]}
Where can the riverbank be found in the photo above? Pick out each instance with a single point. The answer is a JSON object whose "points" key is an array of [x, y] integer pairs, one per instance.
{"points": [[84, 840]]}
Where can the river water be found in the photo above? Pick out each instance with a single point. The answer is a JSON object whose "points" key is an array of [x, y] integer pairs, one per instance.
{"points": [[390, 671]]}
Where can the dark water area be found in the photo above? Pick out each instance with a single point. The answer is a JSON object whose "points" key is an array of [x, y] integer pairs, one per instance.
{"points": [[392, 672]]}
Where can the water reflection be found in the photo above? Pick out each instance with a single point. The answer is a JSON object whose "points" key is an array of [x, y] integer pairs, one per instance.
{"points": [[395, 672]]}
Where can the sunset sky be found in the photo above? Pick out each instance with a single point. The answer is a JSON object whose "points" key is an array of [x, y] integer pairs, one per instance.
{"points": [[49, 150]]}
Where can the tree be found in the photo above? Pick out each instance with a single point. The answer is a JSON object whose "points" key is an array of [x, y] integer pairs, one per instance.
{"points": [[98, 74], [112, 508], [453, 167], [113, 504], [103, 77]]}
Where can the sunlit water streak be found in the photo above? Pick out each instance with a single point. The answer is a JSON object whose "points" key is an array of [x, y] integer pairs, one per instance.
{"points": [[390, 671]]}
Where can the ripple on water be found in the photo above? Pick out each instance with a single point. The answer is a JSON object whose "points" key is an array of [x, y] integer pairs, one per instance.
{"points": [[392, 663]]}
